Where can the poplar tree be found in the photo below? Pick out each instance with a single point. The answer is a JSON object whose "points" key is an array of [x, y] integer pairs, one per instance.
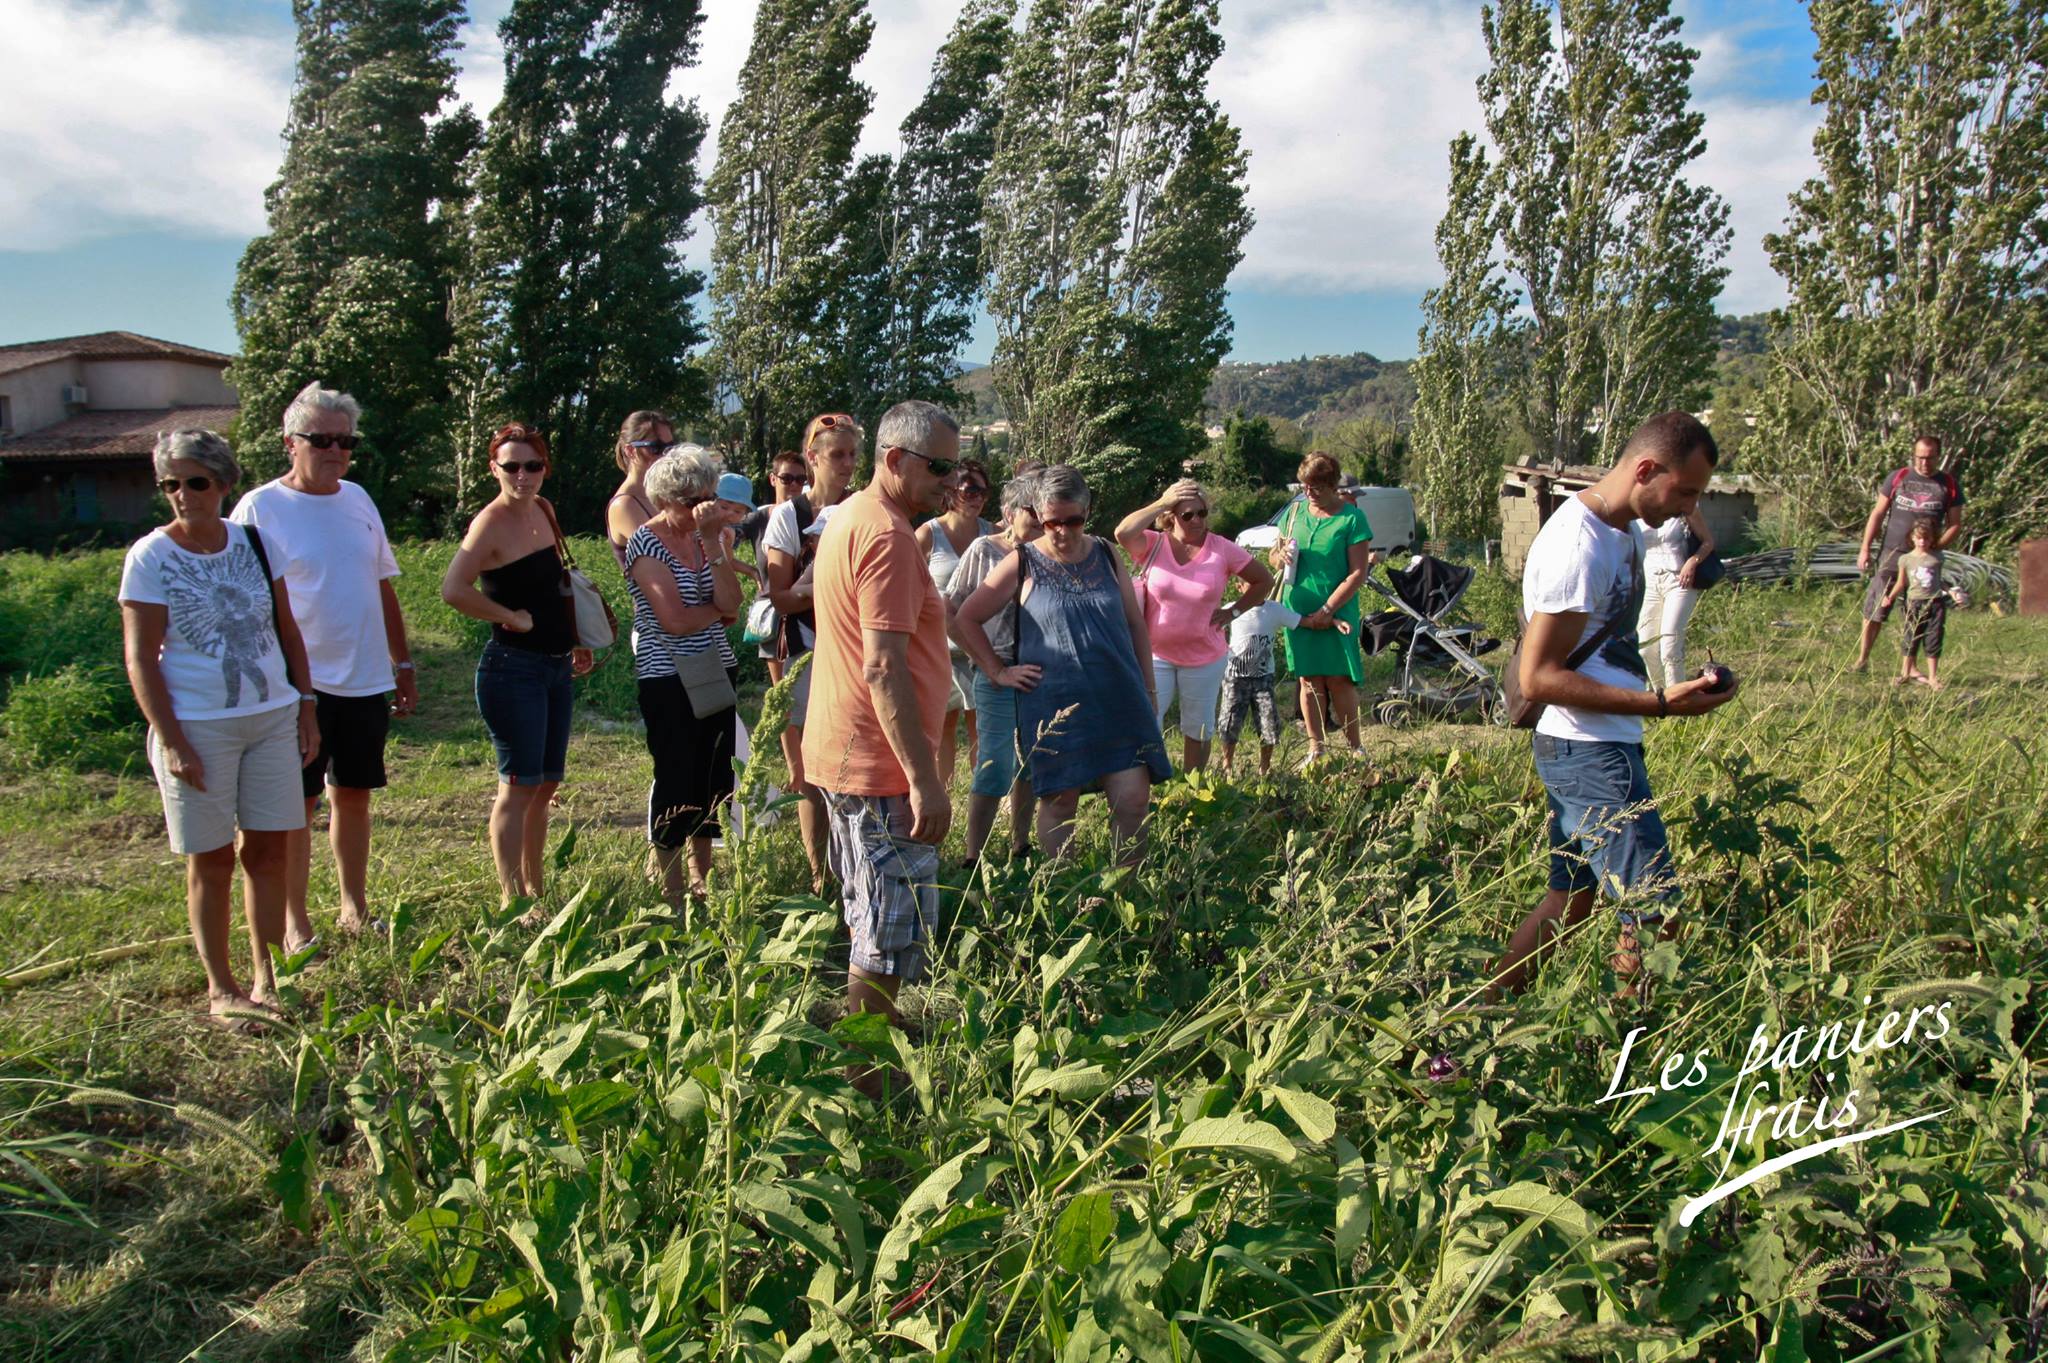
{"points": [[909, 267], [1608, 256], [779, 198], [1916, 262], [585, 191], [351, 282], [1115, 212]]}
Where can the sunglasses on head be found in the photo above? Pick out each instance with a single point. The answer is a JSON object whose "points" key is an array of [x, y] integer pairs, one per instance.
{"points": [[511, 466], [198, 482], [324, 442], [644, 445], [1063, 522], [941, 467]]}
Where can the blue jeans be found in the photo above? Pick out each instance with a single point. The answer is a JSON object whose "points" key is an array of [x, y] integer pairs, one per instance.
{"points": [[525, 698], [1604, 827], [996, 763]]}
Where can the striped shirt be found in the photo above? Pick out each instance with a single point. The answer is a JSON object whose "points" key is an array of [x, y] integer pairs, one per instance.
{"points": [[655, 650]]}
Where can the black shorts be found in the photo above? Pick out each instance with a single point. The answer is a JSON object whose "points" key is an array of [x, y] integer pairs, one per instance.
{"points": [[352, 734], [1926, 622]]}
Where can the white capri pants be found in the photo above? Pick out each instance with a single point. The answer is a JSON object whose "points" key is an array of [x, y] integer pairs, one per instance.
{"points": [[1660, 629], [251, 768], [1197, 688]]}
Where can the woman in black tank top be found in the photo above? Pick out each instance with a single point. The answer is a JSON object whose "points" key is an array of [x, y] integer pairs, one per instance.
{"points": [[523, 681]]}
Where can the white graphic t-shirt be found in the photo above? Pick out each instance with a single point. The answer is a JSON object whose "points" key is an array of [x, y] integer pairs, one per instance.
{"points": [[220, 655], [333, 556], [1580, 564], [1251, 638]]}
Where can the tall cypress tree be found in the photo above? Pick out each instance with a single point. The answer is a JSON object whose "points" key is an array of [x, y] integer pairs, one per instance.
{"points": [[779, 198], [352, 282], [585, 191], [1916, 262], [1115, 212]]}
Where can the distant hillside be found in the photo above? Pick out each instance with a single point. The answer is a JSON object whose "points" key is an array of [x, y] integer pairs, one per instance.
{"points": [[1318, 391]]}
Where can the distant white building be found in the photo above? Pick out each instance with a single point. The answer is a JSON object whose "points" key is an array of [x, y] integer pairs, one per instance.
{"points": [[79, 417]]}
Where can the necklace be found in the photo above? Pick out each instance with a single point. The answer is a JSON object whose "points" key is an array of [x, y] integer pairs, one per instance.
{"points": [[1605, 509]]}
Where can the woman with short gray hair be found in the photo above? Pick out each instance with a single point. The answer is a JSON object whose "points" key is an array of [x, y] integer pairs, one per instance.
{"points": [[679, 570], [219, 669], [1082, 669]]}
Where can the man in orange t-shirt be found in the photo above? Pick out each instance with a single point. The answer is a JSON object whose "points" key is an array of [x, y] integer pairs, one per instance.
{"points": [[879, 682]]}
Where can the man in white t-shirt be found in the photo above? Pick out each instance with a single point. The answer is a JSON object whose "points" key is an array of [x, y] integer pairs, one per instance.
{"points": [[328, 543], [1581, 590]]}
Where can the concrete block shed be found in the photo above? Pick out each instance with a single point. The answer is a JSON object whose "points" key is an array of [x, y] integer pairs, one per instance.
{"points": [[1530, 492]]}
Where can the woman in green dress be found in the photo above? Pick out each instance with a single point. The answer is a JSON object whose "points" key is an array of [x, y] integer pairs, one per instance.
{"points": [[1325, 537]]}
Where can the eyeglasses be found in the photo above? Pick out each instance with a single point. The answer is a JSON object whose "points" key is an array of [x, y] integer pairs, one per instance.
{"points": [[323, 442], [940, 467], [512, 466], [1063, 522], [196, 483], [1185, 516]]}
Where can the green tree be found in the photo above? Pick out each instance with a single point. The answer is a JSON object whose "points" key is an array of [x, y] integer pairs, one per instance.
{"points": [[1609, 257], [1252, 453], [1116, 211], [1916, 262], [585, 192], [909, 265], [351, 282], [1461, 384], [780, 198], [1370, 448]]}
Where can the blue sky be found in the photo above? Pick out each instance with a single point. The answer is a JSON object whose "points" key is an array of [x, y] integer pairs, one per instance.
{"points": [[145, 131]]}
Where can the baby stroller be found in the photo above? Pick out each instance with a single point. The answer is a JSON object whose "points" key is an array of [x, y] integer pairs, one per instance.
{"points": [[1441, 674]]}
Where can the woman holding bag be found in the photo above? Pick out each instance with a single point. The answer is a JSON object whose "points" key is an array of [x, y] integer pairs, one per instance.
{"points": [[1325, 543], [510, 574], [1181, 572], [685, 592]]}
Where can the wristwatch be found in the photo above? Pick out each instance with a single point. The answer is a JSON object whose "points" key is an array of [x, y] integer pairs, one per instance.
{"points": [[406, 666]]}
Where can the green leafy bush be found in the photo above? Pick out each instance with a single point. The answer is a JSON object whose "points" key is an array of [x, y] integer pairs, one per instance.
{"points": [[72, 718]]}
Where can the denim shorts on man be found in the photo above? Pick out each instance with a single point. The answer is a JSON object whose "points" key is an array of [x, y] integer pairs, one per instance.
{"points": [[1604, 827], [891, 884], [525, 699]]}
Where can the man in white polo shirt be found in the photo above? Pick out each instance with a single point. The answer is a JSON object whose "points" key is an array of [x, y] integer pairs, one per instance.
{"points": [[327, 541]]}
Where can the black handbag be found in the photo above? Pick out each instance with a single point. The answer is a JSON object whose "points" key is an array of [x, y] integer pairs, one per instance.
{"points": [[1708, 570]]}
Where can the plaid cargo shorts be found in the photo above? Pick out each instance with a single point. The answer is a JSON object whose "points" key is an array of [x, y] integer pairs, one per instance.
{"points": [[890, 885]]}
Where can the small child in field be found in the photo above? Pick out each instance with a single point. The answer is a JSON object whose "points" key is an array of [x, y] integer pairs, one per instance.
{"points": [[1248, 680], [1926, 605]]}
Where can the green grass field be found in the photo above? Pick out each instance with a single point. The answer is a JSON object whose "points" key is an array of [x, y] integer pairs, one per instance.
{"points": [[1243, 1104]]}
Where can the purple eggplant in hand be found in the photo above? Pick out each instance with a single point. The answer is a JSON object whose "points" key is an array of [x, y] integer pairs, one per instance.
{"points": [[1721, 678]]}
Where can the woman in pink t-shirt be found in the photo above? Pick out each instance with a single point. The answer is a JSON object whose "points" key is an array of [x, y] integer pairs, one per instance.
{"points": [[1182, 571]]}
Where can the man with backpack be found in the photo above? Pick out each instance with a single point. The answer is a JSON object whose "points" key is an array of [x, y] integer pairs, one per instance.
{"points": [[789, 544]]}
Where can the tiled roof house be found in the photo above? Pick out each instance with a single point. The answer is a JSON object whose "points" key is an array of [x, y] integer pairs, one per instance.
{"points": [[79, 416]]}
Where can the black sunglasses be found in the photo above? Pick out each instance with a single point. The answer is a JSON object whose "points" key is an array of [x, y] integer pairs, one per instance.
{"points": [[792, 479], [1063, 522], [197, 483], [644, 445], [323, 442], [970, 490], [1185, 516], [940, 467], [512, 466]]}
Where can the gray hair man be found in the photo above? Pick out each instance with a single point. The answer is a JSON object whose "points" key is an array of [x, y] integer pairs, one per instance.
{"points": [[881, 675], [329, 544]]}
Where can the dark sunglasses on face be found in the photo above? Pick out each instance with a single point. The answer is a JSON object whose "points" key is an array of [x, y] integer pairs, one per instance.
{"points": [[1185, 516], [1063, 522], [792, 479], [196, 483], [940, 467], [323, 442], [512, 466], [970, 490]]}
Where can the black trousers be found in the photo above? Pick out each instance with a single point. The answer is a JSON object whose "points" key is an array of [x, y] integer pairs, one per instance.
{"points": [[693, 760]]}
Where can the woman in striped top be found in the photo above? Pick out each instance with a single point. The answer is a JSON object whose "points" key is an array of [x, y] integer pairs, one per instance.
{"points": [[685, 593]]}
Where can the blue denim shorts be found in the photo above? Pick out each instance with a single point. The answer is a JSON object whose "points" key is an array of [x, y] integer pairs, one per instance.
{"points": [[1604, 827], [525, 699], [996, 764]]}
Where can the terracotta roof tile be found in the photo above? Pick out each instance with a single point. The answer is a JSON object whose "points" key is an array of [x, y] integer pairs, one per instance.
{"points": [[112, 435], [105, 345]]}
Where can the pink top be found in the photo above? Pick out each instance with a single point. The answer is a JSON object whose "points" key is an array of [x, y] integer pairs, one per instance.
{"points": [[1184, 597]]}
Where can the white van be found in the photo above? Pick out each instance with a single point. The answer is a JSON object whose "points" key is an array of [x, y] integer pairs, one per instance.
{"points": [[1390, 511]]}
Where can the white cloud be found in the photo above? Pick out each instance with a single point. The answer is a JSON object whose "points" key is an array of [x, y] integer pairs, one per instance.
{"points": [[125, 119], [135, 119]]}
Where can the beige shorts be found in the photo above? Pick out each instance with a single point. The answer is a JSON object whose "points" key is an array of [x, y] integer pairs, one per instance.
{"points": [[251, 769]]}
